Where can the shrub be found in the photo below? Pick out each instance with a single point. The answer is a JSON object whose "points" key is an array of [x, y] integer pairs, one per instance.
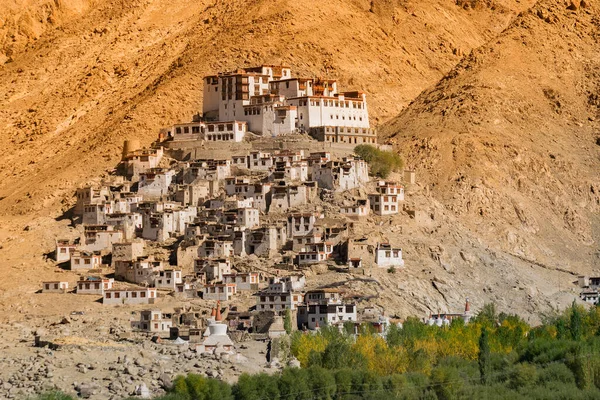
{"points": [[53, 395], [447, 383], [381, 163], [196, 387], [256, 387], [556, 372], [522, 375], [391, 270]]}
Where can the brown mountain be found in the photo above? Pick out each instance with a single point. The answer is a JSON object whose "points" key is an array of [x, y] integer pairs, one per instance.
{"points": [[497, 108], [80, 76], [508, 141]]}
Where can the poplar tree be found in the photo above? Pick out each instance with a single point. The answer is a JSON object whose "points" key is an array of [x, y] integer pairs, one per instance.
{"points": [[484, 358]]}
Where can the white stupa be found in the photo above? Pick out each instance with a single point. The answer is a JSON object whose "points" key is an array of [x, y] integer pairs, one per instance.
{"points": [[216, 338]]}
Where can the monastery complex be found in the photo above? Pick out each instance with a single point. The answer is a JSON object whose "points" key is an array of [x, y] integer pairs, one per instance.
{"points": [[268, 101], [234, 210]]}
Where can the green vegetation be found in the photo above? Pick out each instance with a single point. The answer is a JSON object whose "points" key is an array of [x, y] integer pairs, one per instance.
{"points": [[54, 395], [495, 356], [381, 163], [287, 321]]}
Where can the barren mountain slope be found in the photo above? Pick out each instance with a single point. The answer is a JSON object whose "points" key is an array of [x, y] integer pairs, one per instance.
{"points": [[84, 75], [508, 141]]}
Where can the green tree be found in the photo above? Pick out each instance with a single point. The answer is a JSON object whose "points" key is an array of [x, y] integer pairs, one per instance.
{"points": [[256, 387], [196, 387], [293, 384], [381, 163], [287, 321], [576, 322], [447, 383], [484, 358]]}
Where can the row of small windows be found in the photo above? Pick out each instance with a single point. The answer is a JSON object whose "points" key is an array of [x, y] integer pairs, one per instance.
{"points": [[344, 139], [211, 128]]}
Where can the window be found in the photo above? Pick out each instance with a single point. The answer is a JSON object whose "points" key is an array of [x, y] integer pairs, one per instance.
{"points": [[117, 295], [108, 295], [87, 261], [142, 294]]}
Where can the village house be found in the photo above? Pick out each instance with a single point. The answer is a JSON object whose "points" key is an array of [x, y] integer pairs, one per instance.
{"points": [[142, 271], [95, 213], [315, 253], [63, 250], [388, 256], [291, 282], [168, 279], [155, 182], [325, 307], [281, 294], [127, 251], [160, 226], [213, 269], [586, 282], [246, 218], [260, 161], [302, 224], [129, 296], [590, 296], [296, 171], [264, 241], [243, 281], [349, 173], [206, 170], [387, 198], [126, 202], [243, 189], [215, 248], [91, 195], [194, 194], [94, 285], [85, 260], [55, 287], [127, 223], [100, 238], [299, 243], [141, 160], [153, 321], [285, 196], [219, 291], [360, 253], [360, 209]]}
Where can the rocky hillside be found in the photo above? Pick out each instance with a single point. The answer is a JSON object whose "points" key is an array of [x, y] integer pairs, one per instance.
{"points": [[508, 141], [79, 76], [495, 103]]}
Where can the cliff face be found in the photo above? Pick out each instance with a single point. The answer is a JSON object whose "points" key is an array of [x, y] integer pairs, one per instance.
{"points": [[508, 141], [79, 77]]}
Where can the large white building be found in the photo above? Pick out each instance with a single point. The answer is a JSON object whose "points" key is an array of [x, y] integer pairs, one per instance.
{"points": [[272, 102], [325, 307]]}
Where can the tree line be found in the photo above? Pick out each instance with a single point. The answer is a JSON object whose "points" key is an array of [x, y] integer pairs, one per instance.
{"points": [[495, 356]]}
